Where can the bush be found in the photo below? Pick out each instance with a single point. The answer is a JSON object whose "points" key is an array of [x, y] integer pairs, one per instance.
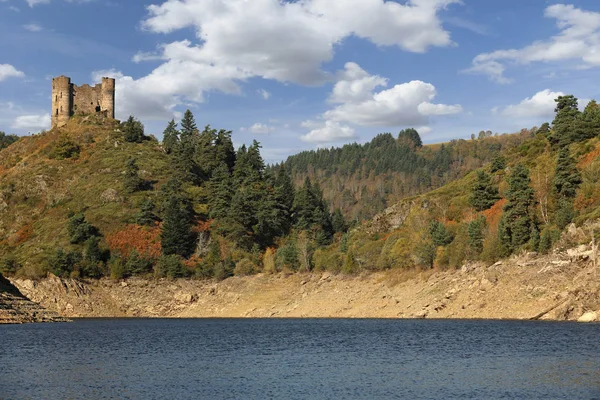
{"points": [[224, 269], [171, 267], [63, 264], [244, 267], [65, 149], [287, 257], [9, 265], [79, 229], [116, 267], [137, 265]]}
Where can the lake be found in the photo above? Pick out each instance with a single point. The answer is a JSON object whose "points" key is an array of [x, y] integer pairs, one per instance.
{"points": [[299, 359]]}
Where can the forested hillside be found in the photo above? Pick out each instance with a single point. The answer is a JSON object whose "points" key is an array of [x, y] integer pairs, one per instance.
{"points": [[363, 180], [520, 201], [99, 198]]}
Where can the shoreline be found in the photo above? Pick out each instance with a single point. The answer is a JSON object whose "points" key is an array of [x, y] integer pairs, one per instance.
{"points": [[521, 288]]}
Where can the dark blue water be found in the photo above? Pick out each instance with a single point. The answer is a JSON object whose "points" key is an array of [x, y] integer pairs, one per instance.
{"points": [[300, 359]]}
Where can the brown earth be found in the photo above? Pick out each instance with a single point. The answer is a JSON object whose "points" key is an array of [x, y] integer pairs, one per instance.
{"points": [[562, 286]]}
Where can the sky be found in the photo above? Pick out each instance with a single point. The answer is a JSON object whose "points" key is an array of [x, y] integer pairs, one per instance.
{"points": [[299, 75]]}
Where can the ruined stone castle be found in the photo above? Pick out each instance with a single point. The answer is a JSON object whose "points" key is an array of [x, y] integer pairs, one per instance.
{"points": [[69, 99]]}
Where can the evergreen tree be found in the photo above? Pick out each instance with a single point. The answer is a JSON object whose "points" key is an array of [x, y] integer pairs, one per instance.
{"points": [[518, 219], [284, 190], [483, 194], [338, 221], [79, 229], [205, 155], [498, 163], [589, 122], [133, 130], [564, 124], [188, 125], [177, 236], [131, 180], [412, 135], [544, 129], [439, 234], [7, 140], [476, 234], [567, 177], [170, 137], [146, 215], [224, 149], [222, 191]]}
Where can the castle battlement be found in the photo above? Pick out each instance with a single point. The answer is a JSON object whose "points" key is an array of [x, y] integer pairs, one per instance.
{"points": [[69, 99]]}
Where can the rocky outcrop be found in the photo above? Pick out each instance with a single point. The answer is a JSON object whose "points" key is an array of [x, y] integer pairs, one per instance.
{"points": [[17, 309]]}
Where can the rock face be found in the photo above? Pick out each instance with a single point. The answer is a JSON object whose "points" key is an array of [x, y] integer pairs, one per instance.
{"points": [[18, 309], [589, 316]]}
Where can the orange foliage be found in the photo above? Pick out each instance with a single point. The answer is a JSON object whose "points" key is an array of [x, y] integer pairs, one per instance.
{"points": [[203, 226], [583, 201], [21, 236], [588, 158], [493, 215], [192, 262], [145, 241]]}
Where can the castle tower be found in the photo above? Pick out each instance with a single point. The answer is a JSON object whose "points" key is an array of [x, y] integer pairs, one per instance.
{"points": [[62, 100], [107, 97]]}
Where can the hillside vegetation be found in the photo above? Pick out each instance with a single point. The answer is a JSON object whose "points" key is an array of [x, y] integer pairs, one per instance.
{"points": [[363, 180], [98, 198]]}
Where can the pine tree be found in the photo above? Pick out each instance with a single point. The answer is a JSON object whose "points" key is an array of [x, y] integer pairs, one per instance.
{"points": [[80, 230], [188, 125], [498, 163], [439, 234], [133, 130], [221, 193], [131, 180], [567, 177], [483, 194], [564, 124], [518, 218], [146, 215], [224, 149], [177, 236], [476, 234], [170, 137], [338, 221]]}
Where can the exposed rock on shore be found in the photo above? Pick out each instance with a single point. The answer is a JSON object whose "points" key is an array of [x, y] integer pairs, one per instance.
{"points": [[561, 286], [17, 309]]}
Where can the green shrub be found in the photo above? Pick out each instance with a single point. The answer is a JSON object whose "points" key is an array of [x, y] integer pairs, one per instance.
{"points": [[244, 267], [171, 267], [9, 265]]}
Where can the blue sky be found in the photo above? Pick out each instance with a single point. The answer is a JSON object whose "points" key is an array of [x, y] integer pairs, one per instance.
{"points": [[303, 74]]}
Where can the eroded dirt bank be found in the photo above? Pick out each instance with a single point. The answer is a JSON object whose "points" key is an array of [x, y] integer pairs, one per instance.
{"points": [[558, 287]]}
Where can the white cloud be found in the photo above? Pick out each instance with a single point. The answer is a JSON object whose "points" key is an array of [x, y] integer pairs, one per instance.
{"points": [[33, 3], [259, 129], [424, 130], [578, 41], [32, 122], [327, 132], [33, 27], [358, 103], [284, 41], [402, 105], [540, 105], [8, 71], [264, 94]]}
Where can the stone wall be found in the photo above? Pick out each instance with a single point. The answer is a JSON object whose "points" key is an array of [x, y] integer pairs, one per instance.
{"points": [[86, 99], [69, 99]]}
